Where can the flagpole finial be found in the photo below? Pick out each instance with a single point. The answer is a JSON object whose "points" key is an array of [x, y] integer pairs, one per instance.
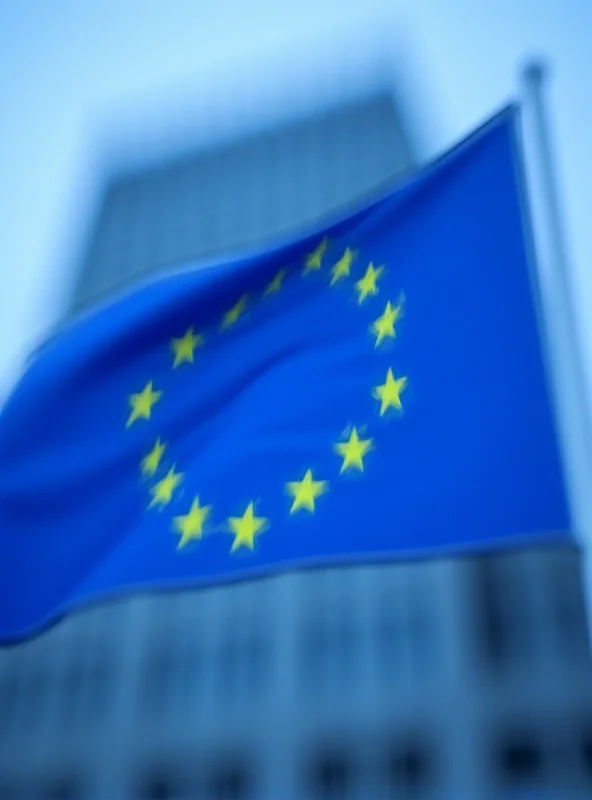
{"points": [[534, 70]]}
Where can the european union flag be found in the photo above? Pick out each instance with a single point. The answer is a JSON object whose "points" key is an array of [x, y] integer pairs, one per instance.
{"points": [[375, 390]]}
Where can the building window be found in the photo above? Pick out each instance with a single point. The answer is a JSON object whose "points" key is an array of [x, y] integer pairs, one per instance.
{"points": [[344, 644], [332, 776], [420, 630], [172, 668], [586, 753], [161, 785], [61, 789], [312, 651], [157, 681], [257, 658], [229, 656], [190, 669], [9, 691], [410, 770], [230, 782], [520, 762], [329, 647], [390, 635], [72, 693], [506, 620], [32, 698], [568, 608], [99, 679], [243, 660], [9, 791]]}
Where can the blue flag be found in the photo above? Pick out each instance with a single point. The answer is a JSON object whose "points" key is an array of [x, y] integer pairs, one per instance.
{"points": [[373, 391]]}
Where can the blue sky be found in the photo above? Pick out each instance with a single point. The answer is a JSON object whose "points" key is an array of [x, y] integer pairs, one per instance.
{"points": [[76, 76]]}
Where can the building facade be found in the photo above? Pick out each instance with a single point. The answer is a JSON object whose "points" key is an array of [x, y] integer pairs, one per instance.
{"points": [[253, 190], [463, 678]]}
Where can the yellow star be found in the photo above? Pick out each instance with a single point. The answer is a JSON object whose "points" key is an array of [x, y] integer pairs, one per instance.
{"points": [[276, 283], [246, 528], [190, 525], [237, 309], [314, 260], [149, 464], [142, 403], [384, 326], [367, 284], [183, 348], [305, 492], [353, 451], [389, 393], [162, 492], [343, 267]]}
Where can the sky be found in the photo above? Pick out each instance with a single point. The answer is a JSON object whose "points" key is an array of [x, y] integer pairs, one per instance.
{"points": [[78, 80]]}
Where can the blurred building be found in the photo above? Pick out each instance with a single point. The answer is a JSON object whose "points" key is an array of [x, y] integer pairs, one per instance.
{"points": [[448, 679], [250, 190]]}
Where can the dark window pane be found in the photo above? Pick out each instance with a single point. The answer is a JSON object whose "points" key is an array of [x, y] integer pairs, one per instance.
{"points": [[313, 650], [100, 678], [521, 761], [410, 768], [389, 631], [488, 614], [160, 786], [9, 791], [189, 670], [33, 696], [157, 680], [61, 789], [229, 660], [9, 690], [73, 684], [343, 644], [420, 632], [230, 783], [506, 620], [332, 776], [257, 662], [566, 594], [587, 753]]}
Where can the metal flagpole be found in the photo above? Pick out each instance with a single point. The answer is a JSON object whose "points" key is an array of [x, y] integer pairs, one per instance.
{"points": [[560, 324]]}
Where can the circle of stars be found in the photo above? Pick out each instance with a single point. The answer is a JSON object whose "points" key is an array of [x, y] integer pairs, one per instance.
{"points": [[352, 450]]}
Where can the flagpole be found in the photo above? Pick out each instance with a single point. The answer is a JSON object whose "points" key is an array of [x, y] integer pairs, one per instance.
{"points": [[558, 305]]}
